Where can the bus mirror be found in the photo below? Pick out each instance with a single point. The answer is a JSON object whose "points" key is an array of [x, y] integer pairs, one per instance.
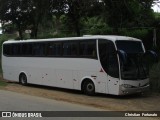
{"points": [[123, 56], [153, 55]]}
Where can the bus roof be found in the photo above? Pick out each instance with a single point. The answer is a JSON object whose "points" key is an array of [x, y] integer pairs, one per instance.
{"points": [[108, 37]]}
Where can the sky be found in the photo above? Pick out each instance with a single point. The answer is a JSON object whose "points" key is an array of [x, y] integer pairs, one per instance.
{"points": [[156, 8]]}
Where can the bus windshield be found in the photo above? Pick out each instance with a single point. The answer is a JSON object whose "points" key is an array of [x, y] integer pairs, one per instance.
{"points": [[134, 67]]}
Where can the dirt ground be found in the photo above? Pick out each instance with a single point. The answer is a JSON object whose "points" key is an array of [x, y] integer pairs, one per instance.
{"points": [[146, 102]]}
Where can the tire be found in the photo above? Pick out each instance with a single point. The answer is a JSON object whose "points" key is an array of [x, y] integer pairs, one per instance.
{"points": [[89, 88], [23, 79]]}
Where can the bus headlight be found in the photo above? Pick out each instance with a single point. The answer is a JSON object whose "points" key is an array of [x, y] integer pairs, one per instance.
{"points": [[127, 86]]}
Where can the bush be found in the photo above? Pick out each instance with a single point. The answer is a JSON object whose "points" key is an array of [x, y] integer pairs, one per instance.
{"points": [[45, 35], [50, 35], [4, 37], [137, 33], [155, 77], [96, 26]]}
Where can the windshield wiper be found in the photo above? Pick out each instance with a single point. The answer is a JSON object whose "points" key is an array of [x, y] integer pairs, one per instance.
{"points": [[143, 67], [139, 67]]}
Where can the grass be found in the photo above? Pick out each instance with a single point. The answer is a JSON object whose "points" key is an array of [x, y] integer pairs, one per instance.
{"points": [[155, 78], [3, 83]]}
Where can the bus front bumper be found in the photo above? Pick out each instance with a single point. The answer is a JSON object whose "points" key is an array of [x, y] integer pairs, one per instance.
{"points": [[127, 91]]}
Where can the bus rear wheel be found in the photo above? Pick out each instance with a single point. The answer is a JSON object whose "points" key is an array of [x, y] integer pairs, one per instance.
{"points": [[89, 88], [23, 79]]}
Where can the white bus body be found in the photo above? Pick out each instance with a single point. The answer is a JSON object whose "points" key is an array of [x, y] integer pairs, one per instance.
{"points": [[77, 70]]}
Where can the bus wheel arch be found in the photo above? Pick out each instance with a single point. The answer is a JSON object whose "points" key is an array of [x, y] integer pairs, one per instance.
{"points": [[88, 86], [23, 78]]}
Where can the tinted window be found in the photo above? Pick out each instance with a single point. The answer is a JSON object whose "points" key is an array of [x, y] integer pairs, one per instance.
{"points": [[88, 48], [103, 53], [54, 49], [26, 49], [38, 49], [12, 49], [66, 48], [108, 58], [70, 48], [79, 48], [16, 49], [74, 48], [29, 48], [130, 46], [7, 49]]}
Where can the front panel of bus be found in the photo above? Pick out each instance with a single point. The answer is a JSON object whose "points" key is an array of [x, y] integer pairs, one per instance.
{"points": [[123, 64], [133, 70]]}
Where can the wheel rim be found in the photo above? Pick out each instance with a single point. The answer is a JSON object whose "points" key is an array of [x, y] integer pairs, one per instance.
{"points": [[90, 87], [23, 79]]}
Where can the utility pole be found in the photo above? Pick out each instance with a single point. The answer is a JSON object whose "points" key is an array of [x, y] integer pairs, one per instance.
{"points": [[154, 38]]}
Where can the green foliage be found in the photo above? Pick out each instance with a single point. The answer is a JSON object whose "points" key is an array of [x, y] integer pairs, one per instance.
{"points": [[9, 28], [101, 16], [155, 78], [61, 18], [4, 37], [14, 12], [137, 33], [96, 26], [129, 13], [2, 83]]}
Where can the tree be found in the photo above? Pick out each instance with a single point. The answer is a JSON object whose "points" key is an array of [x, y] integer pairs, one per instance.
{"points": [[129, 13], [30, 14], [14, 12], [76, 10], [57, 9], [38, 10]]}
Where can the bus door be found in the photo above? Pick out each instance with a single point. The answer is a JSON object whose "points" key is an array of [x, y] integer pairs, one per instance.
{"points": [[109, 62]]}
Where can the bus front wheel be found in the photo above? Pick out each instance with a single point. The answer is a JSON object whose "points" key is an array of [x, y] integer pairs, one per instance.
{"points": [[89, 87], [23, 79]]}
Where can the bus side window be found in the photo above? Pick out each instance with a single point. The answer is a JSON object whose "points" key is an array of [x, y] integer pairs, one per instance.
{"points": [[74, 48], [103, 54], [50, 49], [108, 58], [91, 48], [70, 49], [16, 48], [54, 49], [88, 49], [29, 49], [7, 49], [38, 49], [112, 64], [66, 48], [58, 49]]}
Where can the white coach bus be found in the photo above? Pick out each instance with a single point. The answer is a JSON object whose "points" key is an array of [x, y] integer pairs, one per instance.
{"points": [[94, 64]]}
